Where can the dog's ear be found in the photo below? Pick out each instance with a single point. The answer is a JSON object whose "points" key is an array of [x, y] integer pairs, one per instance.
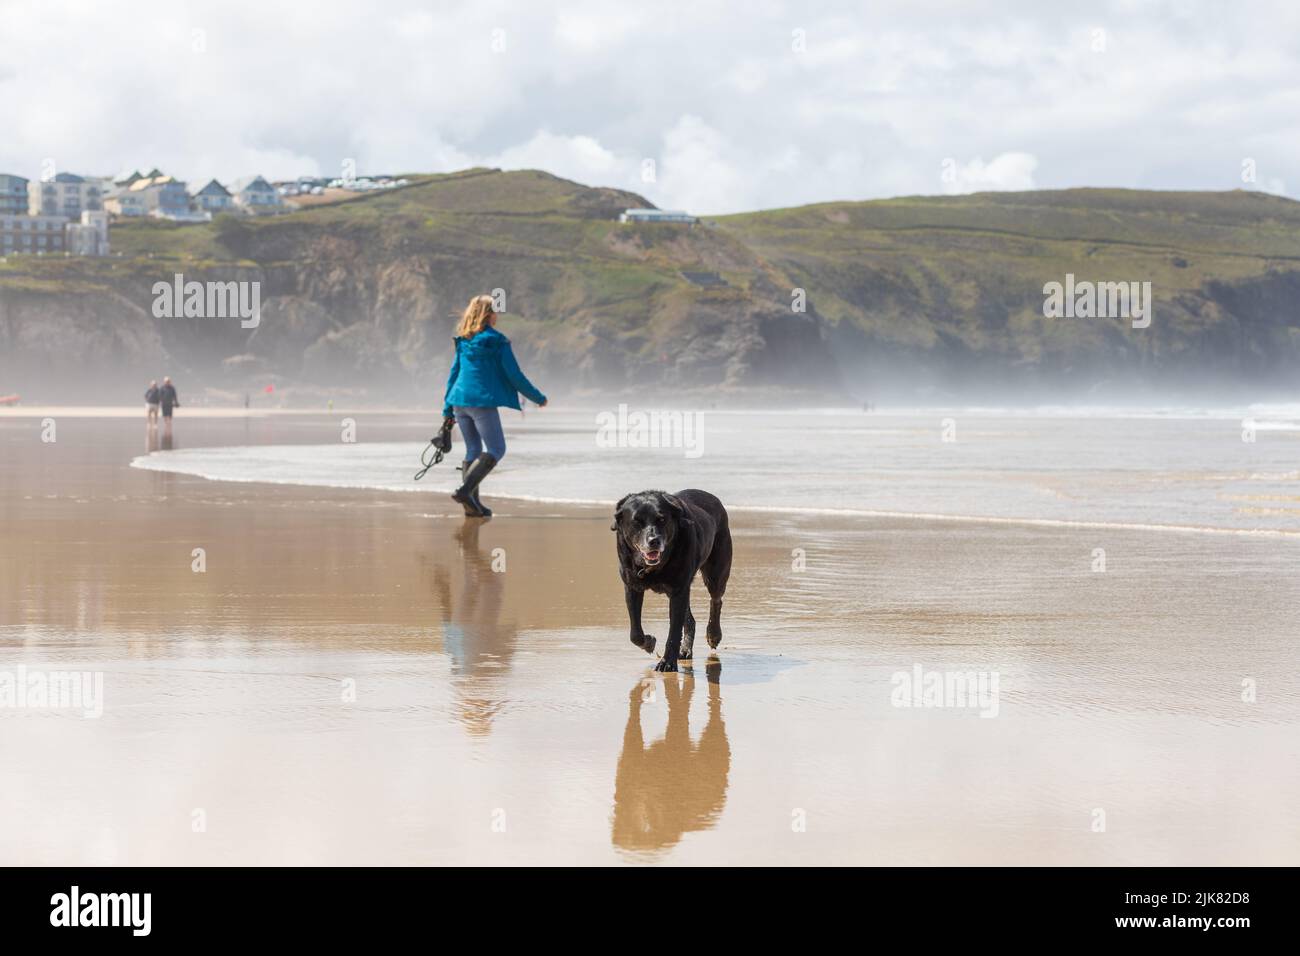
{"points": [[678, 506], [618, 509]]}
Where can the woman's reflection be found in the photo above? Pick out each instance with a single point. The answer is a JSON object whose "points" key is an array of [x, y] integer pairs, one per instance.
{"points": [[672, 786], [474, 637]]}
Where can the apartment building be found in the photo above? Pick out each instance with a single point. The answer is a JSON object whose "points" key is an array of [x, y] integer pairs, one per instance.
{"points": [[13, 195], [34, 234], [66, 194], [125, 203], [164, 196]]}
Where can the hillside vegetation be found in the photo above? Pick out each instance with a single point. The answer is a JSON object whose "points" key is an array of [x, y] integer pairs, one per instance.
{"points": [[951, 289], [910, 298]]}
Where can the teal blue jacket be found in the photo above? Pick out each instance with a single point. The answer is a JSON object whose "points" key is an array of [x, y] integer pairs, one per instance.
{"points": [[485, 374]]}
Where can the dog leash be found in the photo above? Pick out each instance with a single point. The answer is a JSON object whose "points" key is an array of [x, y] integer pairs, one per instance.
{"points": [[437, 457], [440, 443]]}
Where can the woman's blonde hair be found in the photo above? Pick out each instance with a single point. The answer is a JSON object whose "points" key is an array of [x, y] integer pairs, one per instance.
{"points": [[475, 318]]}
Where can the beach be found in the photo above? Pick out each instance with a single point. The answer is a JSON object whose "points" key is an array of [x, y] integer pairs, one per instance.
{"points": [[301, 667]]}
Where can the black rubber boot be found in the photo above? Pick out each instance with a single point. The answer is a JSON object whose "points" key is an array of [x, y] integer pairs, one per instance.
{"points": [[483, 510], [485, 467], [470, 508], [464, 496], [467, 493], [485, 463]]}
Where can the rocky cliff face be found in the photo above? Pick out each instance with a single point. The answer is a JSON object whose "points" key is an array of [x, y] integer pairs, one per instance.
{"points": [[942, 299], [907, 299], [361, 300]]}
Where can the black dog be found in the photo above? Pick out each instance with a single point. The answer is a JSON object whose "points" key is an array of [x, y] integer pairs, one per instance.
{"points": [[663, 540]]}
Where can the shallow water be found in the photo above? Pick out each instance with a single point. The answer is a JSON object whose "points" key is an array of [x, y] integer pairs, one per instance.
{"points": [[1181, 469], [365, 677]]}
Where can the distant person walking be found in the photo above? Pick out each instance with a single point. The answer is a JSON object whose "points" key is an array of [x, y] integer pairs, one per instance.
{"points": [[484, 377], [167, 398], [151, 398]]}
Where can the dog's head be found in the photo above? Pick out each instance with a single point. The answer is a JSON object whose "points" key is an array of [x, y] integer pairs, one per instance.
{"points": [[650, 521]]}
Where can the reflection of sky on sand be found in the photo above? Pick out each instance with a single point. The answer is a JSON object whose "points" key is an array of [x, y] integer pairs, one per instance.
{"points": [[749, 668]]}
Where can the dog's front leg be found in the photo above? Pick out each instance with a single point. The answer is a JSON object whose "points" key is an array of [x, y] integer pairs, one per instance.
{"points": [[679, 603], [635, 598]]}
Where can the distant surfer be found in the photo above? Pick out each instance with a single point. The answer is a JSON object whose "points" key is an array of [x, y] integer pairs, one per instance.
{"points": [[484, 377]]}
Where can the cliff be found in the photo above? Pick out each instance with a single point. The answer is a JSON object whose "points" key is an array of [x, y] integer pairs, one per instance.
{"points": [[905, 299]]}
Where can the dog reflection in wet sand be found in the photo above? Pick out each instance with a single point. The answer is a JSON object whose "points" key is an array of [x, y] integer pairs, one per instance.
{"points": [[673, 786]]}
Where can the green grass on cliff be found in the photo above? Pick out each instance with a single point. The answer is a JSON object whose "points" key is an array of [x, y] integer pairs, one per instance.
{"points": [[915, 268], [1175, 239], [914, 271]]}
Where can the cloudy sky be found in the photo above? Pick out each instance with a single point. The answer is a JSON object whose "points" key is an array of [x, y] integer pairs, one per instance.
{"points": [[708, 106]]}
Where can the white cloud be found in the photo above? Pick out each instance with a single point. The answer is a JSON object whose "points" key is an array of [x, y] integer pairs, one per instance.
{"points": [[715, 93], [747, 76], [595, 26], [1014, 171], [574, 157], [696, 172]]}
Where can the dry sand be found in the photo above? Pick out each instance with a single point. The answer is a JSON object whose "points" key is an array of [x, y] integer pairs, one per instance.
{"points": [[363, 677]]}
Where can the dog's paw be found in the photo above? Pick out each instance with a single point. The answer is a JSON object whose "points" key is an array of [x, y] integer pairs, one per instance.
{"points": [[714, 636], [666, 666], [647, 643]]}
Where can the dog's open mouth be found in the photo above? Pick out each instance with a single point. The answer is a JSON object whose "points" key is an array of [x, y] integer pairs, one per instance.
{"points": [[651, 557]]}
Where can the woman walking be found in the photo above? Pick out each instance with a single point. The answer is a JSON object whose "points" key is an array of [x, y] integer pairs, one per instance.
{"points": [[484, 377]]}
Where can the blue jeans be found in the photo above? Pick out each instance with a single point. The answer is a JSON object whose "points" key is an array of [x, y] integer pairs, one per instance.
{"points": [[481, 430]]}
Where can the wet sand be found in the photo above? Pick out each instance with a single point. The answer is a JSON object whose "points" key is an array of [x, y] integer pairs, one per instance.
{"points": [[366, 677]]}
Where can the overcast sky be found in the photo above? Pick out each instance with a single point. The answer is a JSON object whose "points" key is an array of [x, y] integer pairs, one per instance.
{"points": [[738, 105]]}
